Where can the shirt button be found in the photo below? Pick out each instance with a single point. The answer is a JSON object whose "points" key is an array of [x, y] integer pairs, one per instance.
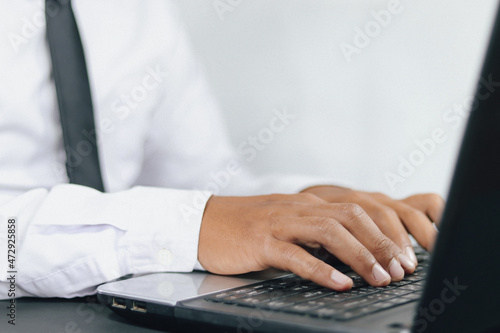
{"points": [[164, 257]]}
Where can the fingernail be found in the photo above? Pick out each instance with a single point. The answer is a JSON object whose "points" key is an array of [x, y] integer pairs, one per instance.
{"points": [[411, 255], [379, 274], [397, 272], [406, 262], [339, 278]]}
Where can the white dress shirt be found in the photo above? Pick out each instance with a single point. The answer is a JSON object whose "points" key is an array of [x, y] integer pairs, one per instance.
{"points": [[162, 144]]}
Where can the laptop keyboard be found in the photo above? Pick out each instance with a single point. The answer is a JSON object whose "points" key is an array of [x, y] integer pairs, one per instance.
{"points": [[292, 294]]}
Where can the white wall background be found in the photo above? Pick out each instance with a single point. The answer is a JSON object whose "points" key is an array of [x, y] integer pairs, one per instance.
{"points": [[354, 121]]}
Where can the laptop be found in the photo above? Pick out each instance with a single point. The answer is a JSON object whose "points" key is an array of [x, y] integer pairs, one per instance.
{"points": [[456, 289]]}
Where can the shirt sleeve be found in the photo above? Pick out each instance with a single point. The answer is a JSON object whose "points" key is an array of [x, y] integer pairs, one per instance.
{"points": [[89, 237]]}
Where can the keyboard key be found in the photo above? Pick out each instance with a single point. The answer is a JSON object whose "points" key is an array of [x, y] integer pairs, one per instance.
{"points": [[236, 296], [357, 280], [303, 288], [353, 275], [325, 312], [220, 295], [412, 296], [244, 290], [339, 297], [400, 283], [264, 297], [399, 300], [356, 283], [411, 287], [247, 289], [285, 283], [349, 304], [379, 306], [366, 290], [315, 303], [274, 305], [302, 308], [305, 296], [414, 277], [370, 308], [379, 297], [354, 313], [248, 301], [374, 307], [396, 292], [422, 256]]}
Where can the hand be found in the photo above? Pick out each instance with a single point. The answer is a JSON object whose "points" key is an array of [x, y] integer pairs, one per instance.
{"points": [[242, 234], [395, 218]]}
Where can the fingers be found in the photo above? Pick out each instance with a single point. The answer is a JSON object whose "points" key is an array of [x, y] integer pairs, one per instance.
{"points": [[417, 223], [377, 242], [368, 257], [431, 204], [291, 257], [357, 222], [390, 224], [416, 213]]}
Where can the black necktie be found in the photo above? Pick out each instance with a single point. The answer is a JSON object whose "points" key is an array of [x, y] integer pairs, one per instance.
{"points": [[73, 95]]}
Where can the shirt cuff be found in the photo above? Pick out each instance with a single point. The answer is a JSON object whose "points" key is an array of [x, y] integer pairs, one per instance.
{"points": [[175, 220]]}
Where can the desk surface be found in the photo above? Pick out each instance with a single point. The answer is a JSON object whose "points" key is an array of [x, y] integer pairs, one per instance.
{"points": [[81, 315]]}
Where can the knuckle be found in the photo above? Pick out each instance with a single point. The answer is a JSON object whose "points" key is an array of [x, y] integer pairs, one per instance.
{"points": [[290, 253], [327, 226], [414, 214], [353, 195], [386, 213], [277, 197], [380, 196], [267, 245], [273, 214], [353, 211], [274, 222], [361, 254], [306, 196], [314, 268], [267, 250], [435, 199], [382, 245]]}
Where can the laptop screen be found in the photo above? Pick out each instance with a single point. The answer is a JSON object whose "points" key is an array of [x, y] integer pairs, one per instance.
{"points": [[462, 293]]}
